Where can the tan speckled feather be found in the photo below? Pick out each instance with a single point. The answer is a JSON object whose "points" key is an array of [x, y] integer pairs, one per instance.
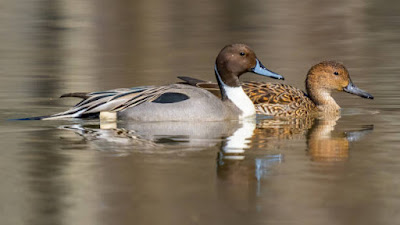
{"points": [[278, 99]]}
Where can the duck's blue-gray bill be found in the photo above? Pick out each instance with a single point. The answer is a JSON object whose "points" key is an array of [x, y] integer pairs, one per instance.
{"points": [[352, 89], [261, 70]]}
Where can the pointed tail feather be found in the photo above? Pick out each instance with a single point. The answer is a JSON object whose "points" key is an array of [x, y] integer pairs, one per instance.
{"points": [[63, 115], [32, 118], [191, 81], [83, 95], [113, 100]]}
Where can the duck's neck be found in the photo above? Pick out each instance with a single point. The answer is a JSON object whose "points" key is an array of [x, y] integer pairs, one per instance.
{"points": [[323, 100], [236, 95]]}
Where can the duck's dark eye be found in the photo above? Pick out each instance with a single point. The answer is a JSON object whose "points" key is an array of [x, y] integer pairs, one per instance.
{"points": [[242, 53], [336, 73]]}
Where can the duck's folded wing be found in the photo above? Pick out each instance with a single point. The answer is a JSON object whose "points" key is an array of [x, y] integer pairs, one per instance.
{"points": [[111, 100], [278, 99], [269, 93]]}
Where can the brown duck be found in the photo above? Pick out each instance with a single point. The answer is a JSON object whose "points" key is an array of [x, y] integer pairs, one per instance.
{"points": [[283, 100]]}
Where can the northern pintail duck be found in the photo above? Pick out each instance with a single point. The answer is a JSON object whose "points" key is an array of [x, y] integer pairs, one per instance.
{"points": [[179, 102], [284, 100]]}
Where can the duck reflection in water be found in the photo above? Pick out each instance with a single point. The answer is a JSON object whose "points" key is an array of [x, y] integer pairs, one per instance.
{"points": [[249, 152], [160, 137], [324, 143], [241, 176]]}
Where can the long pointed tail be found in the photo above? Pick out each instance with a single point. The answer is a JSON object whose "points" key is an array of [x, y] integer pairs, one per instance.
{"points": [[191, 81], [61, 116], [33, 118]]}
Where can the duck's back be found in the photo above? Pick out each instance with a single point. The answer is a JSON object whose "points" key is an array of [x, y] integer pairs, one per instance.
{"points": [[182, 103], [278, 99], [175, 102]]}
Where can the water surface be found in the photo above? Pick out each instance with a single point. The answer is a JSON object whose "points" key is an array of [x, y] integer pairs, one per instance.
{"points": [[340, 170]]}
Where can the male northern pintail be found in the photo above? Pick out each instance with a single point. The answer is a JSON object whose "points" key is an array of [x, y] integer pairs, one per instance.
{"points": [[179, 102], [284, 100]]}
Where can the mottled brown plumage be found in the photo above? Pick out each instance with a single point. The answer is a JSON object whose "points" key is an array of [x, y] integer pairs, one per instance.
{"points": [[283, 100], [278, 99]]}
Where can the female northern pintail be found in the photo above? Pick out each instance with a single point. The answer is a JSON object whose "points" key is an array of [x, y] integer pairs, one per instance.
{"points": [[179, 102], [284, 100]]}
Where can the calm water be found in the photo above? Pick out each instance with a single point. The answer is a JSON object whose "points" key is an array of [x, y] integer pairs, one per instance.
{"points": [[327, 171]]}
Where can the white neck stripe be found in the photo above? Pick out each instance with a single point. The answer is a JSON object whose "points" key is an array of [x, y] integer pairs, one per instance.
{"points": [[238, 97]]}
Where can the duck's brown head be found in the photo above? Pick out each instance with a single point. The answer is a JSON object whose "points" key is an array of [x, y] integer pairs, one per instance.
{"points": [[236, 59], [327, 76]]}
